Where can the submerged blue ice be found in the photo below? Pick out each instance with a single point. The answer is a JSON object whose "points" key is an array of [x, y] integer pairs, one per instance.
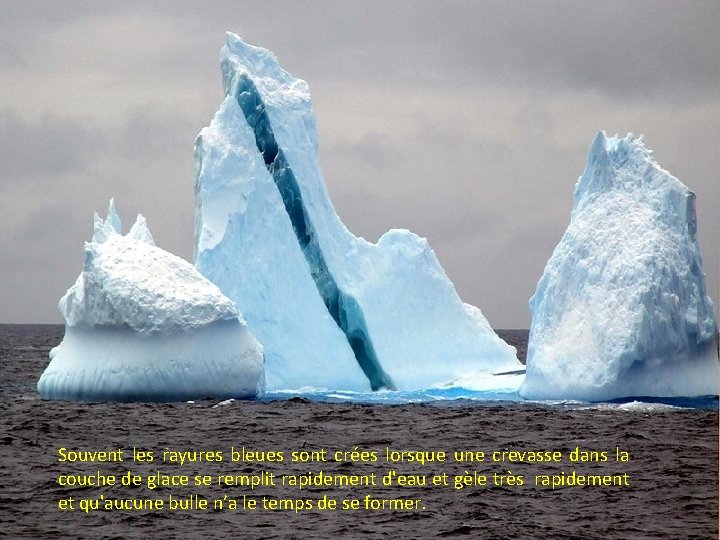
{"points": [[331, 309], [621, 308]]}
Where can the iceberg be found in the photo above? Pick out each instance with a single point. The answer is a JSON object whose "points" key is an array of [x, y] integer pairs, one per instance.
{"points": [[332, 310], [145, 325], [621, 309]]}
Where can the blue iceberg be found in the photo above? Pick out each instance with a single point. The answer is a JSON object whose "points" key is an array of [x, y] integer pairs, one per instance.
{"points": [[621, 308], [332, 310]]}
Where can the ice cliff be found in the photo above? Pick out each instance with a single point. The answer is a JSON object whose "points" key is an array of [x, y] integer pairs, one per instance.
{"points": [[331, 309], [621, 308], [145, 325]]}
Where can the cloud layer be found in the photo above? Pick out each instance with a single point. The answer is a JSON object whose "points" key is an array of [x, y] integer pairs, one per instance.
{"points": [[467, 122]]}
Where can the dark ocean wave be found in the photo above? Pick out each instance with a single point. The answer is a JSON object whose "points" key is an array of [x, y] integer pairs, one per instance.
{"points": [[673, 468]]}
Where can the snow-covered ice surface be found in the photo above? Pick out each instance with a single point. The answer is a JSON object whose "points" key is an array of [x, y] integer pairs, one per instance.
{"points": [[145, 325], [331, 309], [621, 309]]}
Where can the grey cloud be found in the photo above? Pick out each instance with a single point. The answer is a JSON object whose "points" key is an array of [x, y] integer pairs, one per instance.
{"points": [[401, 144], [376, 149], [644, 49], [35, 276], [641, 49], [150, 133], [438, 174], [54, 145], [24, 24], [10, 55], [51, 145], [25, 15]]}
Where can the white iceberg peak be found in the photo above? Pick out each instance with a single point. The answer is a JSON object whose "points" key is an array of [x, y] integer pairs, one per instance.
{"points": [[104, 228], [113, 218], [140, 231], [621, 309]]}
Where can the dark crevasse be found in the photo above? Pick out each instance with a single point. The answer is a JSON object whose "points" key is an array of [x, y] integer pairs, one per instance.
{"points": [[344, 308]]}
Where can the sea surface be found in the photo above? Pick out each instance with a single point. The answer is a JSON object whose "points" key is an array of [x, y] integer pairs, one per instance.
{"points": [[672, 468]]}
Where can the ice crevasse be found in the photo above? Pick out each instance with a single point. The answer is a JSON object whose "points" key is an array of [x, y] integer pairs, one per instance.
{"points": [[332, 310], [621, 309], [142, 324]]}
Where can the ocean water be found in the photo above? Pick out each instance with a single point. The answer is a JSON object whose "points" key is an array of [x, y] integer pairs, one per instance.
{"points": [[673, 466]]}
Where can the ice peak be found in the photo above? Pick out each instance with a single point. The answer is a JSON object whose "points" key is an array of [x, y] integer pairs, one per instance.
{"points": [[277, 86], [112, 216], [626, 164], [140, 231], [599, 146], [597, 175], [103, 229]]}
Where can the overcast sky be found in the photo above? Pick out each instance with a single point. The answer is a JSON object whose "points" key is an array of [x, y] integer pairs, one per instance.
{"points": [[467, 122]]}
